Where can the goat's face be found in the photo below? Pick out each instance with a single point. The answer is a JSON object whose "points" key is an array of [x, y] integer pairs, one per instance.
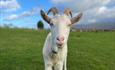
{"points": [[60, 26]]}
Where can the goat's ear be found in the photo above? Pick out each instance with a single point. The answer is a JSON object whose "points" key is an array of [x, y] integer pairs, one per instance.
{"points": [[45, 17], [76, 18]]}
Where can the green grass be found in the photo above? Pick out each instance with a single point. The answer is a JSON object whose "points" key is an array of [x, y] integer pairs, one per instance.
{"points": [[21, 49]]}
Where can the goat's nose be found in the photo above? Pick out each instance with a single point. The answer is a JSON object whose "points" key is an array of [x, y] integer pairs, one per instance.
{"points": [[59, 38]]}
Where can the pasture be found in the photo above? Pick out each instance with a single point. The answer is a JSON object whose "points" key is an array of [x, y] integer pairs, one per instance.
{"points": [[21, 49]]}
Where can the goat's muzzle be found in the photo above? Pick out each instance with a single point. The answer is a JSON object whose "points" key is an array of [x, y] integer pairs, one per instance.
{"points": [[60, 41]]}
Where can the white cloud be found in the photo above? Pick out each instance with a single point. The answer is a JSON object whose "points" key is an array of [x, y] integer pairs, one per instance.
{"points": [[93, 10], [61, 1], [31, 12], [81, 4], [92, 20], [106, 12], [105, 1], [9, 5], [102, 10], [11, 17]]}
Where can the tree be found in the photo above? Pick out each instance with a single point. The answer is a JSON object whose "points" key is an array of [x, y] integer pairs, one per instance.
{"points": [[40, 25], [8, 25]]}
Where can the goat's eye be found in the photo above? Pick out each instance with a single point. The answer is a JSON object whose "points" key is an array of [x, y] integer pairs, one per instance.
{"points": [[51, 24], [69, 24]]}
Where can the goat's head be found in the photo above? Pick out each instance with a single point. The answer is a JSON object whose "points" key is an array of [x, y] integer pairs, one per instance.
{"points": [[60, 25]]}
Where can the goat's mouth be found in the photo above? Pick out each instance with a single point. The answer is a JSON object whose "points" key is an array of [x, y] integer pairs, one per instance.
{"points": [[59, 43], [54, 52]]}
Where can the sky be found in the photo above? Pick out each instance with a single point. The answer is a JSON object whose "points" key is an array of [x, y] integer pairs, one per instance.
{"points": [[26, 13]]}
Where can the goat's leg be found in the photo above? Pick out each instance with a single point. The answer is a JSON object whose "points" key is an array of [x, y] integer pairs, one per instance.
{"points": [[65, 64], [59, 66], [48, 67]]}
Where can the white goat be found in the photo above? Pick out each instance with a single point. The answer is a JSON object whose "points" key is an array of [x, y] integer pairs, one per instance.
{"points": [[55, 47]]}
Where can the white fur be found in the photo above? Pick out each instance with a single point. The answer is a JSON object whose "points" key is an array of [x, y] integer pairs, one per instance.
{"points": [[61, 27]]}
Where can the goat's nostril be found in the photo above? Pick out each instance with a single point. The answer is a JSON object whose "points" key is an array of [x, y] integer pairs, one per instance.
{"points": [[60, 38]]}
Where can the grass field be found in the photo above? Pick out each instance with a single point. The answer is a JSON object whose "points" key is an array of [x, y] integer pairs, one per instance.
{"points": [[21, 49]]}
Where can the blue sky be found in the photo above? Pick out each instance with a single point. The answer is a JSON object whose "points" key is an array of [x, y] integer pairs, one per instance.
{"points": [[22, 6], [25, 13]]}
